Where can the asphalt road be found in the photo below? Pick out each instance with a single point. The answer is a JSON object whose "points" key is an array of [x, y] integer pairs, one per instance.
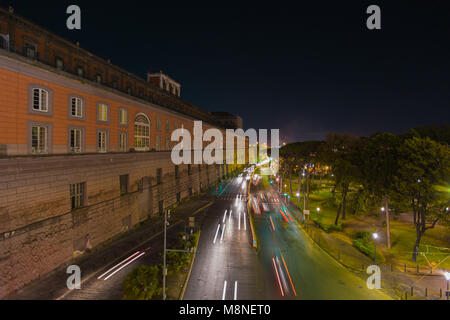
{"points": [[288, 265]]}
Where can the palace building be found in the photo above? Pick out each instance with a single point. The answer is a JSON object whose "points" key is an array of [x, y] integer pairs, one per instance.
{"points": [[84, 150]]}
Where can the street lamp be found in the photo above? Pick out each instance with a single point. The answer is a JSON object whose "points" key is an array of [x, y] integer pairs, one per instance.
{"points": [[447, 278], [318, 210], [375, 237]]}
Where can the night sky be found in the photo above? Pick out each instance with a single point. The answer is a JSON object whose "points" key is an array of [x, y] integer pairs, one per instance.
{"points": [[306, 69]]}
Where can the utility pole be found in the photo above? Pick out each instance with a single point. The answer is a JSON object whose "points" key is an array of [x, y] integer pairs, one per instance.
{"points": [[164, 263]]}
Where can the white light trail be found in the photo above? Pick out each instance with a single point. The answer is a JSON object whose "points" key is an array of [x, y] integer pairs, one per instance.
{"points": [[224, 290], [225, 216], [223, 231], [235, 290], [217, 232], [117, 265], [135, 258], [239, 220]]}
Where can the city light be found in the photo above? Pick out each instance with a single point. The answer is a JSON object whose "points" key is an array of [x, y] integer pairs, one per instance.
{"points": [[318, 209], [383, 209], [447, 275], [375, 235]]}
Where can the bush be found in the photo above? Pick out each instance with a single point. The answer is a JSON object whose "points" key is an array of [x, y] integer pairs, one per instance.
{"points": [[365, 245], [143, 283]]}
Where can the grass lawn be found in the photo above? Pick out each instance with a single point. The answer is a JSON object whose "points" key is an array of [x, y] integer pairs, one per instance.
{"points": [[403, 235]]}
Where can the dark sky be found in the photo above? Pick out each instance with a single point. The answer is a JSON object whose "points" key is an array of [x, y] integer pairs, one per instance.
{"points": [[305, 67]]}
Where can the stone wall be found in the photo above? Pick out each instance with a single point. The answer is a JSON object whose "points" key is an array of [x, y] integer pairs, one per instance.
{"points": [[38, 229]]}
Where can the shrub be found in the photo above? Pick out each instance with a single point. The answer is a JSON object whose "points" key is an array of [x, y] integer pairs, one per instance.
{"points": [[143, 283]]}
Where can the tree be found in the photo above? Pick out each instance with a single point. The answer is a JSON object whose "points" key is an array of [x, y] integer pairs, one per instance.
{"points": [[143, 283], [422, 178], [379, 165]]}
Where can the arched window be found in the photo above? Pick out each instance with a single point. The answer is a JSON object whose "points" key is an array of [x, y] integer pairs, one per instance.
{"points": [[141, 133]]}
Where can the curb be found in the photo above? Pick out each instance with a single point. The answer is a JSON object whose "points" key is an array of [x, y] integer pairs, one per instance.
{"points": [[190, 268]]}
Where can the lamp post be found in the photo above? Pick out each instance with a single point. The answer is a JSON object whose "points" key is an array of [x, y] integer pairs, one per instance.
{"points": [[375, 237], [447, 278]]}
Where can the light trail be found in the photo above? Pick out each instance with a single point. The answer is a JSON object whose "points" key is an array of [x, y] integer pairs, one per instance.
{"points": [[285, 266], [287, 212], [278, 277], [224, 290], [239, 220], [217, 232], [284, 217], [223, 232], [271, 221], [225, 216], [235, 290], [229, 220], [135, 258], [245, 223], [117, 265]]}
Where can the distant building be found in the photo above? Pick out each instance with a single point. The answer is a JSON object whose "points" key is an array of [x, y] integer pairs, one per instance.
{"points": [[228, 120]]}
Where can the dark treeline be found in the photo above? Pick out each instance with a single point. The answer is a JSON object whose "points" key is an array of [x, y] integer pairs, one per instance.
{"points": [[410, 171]]}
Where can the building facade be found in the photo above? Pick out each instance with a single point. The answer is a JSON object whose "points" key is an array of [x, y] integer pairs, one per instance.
{"points": [[84, 150]]}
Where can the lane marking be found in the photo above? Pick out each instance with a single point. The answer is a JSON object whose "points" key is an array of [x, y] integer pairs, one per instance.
{"points": [[217, 232], [119, 264], [235, 290], [223, 231], [278, 277], [124, 265], [224, 290]]}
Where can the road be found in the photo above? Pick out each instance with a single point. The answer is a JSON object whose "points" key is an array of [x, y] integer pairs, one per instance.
{"points": [[288, 265]]}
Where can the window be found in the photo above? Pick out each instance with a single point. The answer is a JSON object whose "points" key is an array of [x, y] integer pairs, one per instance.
{"points": [[158, 175], [178, 197], [141, 133], [98, 78], [191, 192], [75, 140], [77, 194], [158, 124], [123, 117], [123, 138], [30, 51], [76, 107], [161, 207], [101, 141], [167, 125], [59, 63], [129, 90], [40, 100], [80, 71], [124, 184], [189, 170], [39, 139], [102, 112], [175, 125], [176, 172], [158, 143], [141, 92], [115, 84]]}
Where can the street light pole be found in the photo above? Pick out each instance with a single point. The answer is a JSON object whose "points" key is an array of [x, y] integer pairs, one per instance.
{"points": [[375, 236], [164, 262]]}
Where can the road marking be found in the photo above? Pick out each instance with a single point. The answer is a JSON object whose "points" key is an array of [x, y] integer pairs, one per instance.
{"points": [[278, 277], [135, 258], [235, 290], [223, 231], [225, 216], [224, 290], [117, 265], [217, 232]]}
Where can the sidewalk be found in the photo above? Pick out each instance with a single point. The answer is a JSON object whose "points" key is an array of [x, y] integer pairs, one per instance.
{"points": [[397, 282], [53, 285]]}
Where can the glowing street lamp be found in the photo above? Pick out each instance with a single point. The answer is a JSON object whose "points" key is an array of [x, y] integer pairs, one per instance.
{"points": [[447, 278], [318, 210]]}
